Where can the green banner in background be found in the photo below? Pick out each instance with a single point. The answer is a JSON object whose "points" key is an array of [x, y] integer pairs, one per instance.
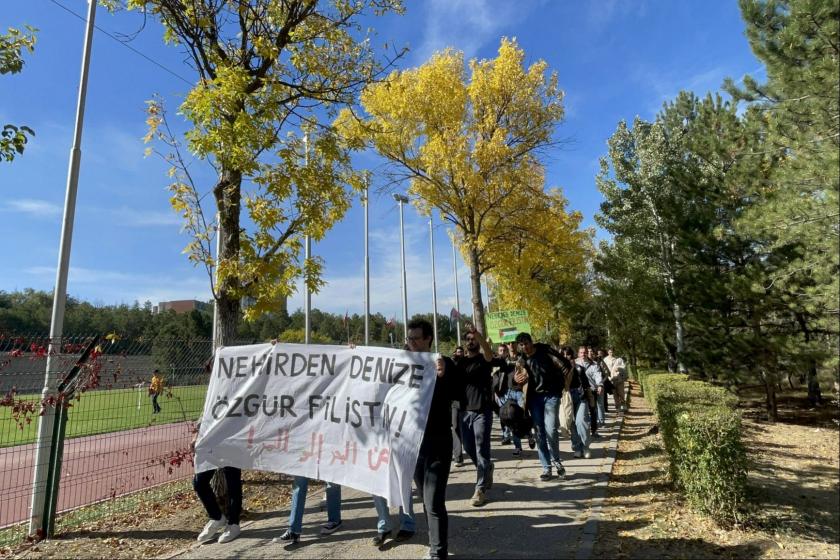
{"points": [[503, 326]]}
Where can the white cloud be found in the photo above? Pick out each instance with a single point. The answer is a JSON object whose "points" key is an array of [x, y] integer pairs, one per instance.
{"points": [[666, 86], [34, 207], [345, 292], [112, 286], [467, 25]]}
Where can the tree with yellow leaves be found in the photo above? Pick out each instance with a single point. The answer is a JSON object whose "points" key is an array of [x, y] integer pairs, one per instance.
{"points": [[267, 70], [468, 145], [542, 267]]}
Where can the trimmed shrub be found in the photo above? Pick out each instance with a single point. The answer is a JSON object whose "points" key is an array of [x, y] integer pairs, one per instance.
{"points": [[701, 431], [657, 382], [710, 461]]}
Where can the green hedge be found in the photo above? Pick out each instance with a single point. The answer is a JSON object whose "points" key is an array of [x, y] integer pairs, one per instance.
{"points": [[656, 383], [710, 461], [701, 430]]}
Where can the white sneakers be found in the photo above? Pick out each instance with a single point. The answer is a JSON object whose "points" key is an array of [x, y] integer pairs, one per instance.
{"points": [[578, 454], [587, 454], [230, 533], [212, 527]]}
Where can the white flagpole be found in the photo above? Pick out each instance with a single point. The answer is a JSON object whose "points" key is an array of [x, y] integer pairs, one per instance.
{"points": [[457, 296], [46, 420]]}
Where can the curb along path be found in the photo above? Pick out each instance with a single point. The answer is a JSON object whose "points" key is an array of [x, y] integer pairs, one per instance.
{"points": [[523, 518]]}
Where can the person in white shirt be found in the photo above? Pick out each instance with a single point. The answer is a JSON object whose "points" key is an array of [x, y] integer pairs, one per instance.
{"points": [[618, 373]]}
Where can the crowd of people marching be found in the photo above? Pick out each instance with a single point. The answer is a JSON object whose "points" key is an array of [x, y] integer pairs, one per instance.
{"points": [[534, 388]]}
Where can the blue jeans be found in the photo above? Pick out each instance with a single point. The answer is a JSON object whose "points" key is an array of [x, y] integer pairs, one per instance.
{"points": [[544, 408], [599, 402], [475, 431], [383, 524], [519, 398], [580, 432], [299, 488]]}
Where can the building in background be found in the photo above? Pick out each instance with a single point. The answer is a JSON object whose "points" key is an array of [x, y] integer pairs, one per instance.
{"points": [[181, 306]]}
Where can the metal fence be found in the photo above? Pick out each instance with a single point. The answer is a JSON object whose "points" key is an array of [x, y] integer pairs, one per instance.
{"points": [[115, 443]]}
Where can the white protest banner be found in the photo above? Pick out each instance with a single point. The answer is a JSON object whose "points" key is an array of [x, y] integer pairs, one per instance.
{"points": [[353, 416]]}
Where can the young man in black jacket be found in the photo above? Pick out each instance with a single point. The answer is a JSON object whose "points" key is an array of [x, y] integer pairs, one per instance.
{"points": [[546, 374], [434, 460], [476, 370]]}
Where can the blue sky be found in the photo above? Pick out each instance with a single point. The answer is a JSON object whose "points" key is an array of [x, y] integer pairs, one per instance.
{"points": [[615, 60]]}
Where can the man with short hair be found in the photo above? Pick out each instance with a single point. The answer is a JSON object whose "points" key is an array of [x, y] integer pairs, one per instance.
{"points": [[596, 374], [617, 370], [458, 354], [547, 374], [434, 459], [595, 380], [579, 390], [476, 370]]}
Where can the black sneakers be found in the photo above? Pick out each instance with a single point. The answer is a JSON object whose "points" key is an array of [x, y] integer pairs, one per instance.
{"points": [[380, 538], [287, 537]]}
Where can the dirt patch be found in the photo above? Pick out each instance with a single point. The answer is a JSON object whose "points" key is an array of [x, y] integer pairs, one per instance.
{"points": [[156, 527], [794, 509]]}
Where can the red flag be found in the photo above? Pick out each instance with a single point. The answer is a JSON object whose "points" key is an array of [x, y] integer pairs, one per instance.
{"points": [[453, 318], [392, 322], [346, 318]]}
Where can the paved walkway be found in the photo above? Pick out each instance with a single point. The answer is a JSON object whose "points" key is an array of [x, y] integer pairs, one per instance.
{"points": [[523, 518]]}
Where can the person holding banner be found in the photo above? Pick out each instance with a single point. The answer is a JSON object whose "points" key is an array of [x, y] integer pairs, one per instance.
{"points": [[435, 458], [218, 522], [476, 369], [300, 486]]}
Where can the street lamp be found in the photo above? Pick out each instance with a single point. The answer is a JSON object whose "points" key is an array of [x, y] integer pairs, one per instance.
{"points": [[41, 470], [307, 313], [402, 199], [434, 284], [457, 295], [366, 201]]}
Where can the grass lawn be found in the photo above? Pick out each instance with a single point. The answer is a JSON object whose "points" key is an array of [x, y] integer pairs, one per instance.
{"points": [[114, 410]]}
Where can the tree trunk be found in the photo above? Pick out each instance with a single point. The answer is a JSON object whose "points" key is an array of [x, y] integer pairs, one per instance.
{"points": [[814, 396], [678, 323], [228, 197], [770, 390], [475, 282]]}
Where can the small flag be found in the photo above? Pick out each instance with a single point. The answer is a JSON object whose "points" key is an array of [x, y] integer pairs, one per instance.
{"points": [[346, 317], [453, 318], [392, 322]]}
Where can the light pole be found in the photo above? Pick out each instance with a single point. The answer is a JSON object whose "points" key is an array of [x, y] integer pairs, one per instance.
{"points": [[307, 255], [434, 284], [402, 199], [457, 293], [46, 420], [366, 201]]}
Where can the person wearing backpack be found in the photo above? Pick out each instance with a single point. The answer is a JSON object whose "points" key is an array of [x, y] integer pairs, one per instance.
{"points": [[545, 372], [512, 392], [578, 387], [618, 375]]}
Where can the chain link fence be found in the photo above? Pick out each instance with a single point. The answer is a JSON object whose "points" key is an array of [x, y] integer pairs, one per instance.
{"points": [[115, 443]]}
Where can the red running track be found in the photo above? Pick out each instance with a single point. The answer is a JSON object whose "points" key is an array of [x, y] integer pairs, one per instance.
{"points": [[96, 468]]}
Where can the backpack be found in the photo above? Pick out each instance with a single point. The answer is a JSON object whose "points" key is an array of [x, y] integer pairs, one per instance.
{"points": [[549, 349], [514, 417]]}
